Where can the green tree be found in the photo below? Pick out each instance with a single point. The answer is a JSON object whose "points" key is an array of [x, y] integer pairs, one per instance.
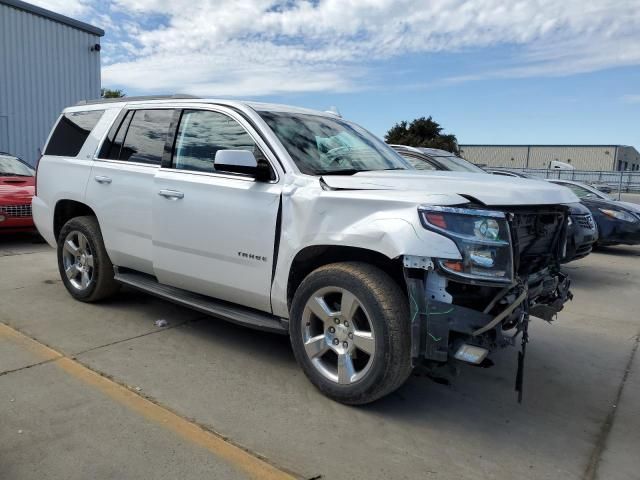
{"points": [[422, 132], [109, 93]]}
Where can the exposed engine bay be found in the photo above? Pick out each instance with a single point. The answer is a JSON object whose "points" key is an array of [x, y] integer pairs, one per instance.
{"points": [[459, 318]]}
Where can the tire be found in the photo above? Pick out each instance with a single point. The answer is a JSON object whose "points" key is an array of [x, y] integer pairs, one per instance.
{"points": [[381, 312], [99, 269]]}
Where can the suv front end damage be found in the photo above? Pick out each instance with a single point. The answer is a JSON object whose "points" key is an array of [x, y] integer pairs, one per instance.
{"points": [[509, 270]]}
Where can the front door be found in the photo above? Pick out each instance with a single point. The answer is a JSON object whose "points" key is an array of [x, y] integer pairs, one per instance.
{"points": [[214, 232]]}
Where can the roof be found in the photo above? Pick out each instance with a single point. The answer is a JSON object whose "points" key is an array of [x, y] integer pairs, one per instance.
{"points": [[183, 98], [56, 17]]}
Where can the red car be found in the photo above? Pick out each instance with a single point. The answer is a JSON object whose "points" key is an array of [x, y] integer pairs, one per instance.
{"points": [[17, 184]]}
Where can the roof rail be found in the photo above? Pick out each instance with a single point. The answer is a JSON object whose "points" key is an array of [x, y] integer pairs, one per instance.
{"points": [[133, 99]]}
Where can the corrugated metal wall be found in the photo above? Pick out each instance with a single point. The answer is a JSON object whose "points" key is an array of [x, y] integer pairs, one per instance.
{"points": [[628, 159], [44, 67], [492, 156], [582, 157]]}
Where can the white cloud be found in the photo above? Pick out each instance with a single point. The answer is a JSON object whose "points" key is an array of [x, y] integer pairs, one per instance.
{"points": [[256, 47], [70, 8]]}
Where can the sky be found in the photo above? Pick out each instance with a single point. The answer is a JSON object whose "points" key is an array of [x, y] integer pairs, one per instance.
{"points": [[489, 71]]}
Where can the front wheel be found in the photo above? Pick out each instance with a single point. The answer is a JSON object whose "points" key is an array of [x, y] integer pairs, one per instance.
{"points": [[350, 332]]}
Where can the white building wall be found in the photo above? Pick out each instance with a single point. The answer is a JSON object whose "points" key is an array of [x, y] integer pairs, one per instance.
{"points": [[495, 156], [582, 157], [45, 66]]}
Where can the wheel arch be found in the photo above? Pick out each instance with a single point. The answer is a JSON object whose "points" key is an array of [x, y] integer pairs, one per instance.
{"points": [[67, 209], [312, 257]]}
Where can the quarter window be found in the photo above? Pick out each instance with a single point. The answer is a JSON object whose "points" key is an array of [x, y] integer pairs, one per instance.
{"points": [[202, 133], [71, 132], [113, 143]]}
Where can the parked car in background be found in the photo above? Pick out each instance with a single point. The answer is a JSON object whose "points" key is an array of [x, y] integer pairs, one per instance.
{"points": [[508, 173], [17, 185], [435, 159], [602, 186], [581, 231], [618, 222]]}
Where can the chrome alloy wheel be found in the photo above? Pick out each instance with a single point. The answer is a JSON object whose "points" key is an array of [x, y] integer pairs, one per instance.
{"points": [[338, 335], [77, 259]]}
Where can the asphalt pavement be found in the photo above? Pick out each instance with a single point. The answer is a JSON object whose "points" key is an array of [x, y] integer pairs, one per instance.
{"points": [[99, 391]]}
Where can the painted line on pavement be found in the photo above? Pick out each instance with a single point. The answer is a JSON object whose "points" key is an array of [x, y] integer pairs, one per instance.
{"points": [[241, 459]]}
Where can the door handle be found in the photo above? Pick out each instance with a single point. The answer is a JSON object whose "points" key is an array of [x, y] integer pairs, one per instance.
{"points": [[102, 179], [171, 194]]}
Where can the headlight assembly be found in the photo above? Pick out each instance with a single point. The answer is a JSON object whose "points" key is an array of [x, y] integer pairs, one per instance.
{"points": [[482, 236], [619, 215]]}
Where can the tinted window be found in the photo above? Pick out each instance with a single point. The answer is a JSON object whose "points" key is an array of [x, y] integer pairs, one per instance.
{"points": [[71, 132], [582, 192], [457, 164], [202, 133], [113, 143], [419, 163], [146, 136]]}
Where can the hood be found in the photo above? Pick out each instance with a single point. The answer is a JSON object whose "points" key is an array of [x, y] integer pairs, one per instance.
{"points": [[487, 189], [16, 189], [634, 207]]}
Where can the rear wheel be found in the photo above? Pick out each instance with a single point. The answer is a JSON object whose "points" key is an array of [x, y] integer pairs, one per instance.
{"points": [[350, 332], [85, 267]]}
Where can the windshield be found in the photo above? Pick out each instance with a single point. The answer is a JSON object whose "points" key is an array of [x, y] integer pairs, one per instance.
{"points": [[457, 164], [12, 167], [584, 192], [322, 145]]}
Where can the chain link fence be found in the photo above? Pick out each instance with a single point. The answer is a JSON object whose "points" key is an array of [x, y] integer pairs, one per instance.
{"points": [[614, 183]]}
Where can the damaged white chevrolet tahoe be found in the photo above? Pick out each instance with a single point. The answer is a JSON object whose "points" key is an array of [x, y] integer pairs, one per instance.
{"points": [[297, 221]]}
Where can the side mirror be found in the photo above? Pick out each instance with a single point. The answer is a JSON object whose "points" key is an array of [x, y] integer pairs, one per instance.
{"points": [[241, 161]]}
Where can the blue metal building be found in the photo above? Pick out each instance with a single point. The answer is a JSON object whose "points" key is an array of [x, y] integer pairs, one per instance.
{"points": [[47, 62]]}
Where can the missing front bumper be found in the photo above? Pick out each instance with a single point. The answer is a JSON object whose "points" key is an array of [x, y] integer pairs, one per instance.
{"points": [[439, 326]]}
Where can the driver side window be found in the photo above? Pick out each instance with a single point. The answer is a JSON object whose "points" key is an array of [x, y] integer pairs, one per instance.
{"points": [[202, 133]]}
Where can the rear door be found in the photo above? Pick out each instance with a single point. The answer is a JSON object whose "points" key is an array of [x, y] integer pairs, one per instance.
{"points": [[214, 232], [121, 185]]}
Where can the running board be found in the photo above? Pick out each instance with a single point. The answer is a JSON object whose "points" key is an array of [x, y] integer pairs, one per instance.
{"points": [[217, 308]]}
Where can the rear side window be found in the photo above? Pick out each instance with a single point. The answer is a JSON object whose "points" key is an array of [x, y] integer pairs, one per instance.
{"points": [[140, 137], [71, 132], [146, 136]]}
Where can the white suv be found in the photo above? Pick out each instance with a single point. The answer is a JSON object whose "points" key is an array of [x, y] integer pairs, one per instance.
{"points": [[297, 221]]}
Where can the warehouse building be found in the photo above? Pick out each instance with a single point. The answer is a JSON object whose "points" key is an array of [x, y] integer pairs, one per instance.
{"points": [[47, 62], [581, 157]]}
